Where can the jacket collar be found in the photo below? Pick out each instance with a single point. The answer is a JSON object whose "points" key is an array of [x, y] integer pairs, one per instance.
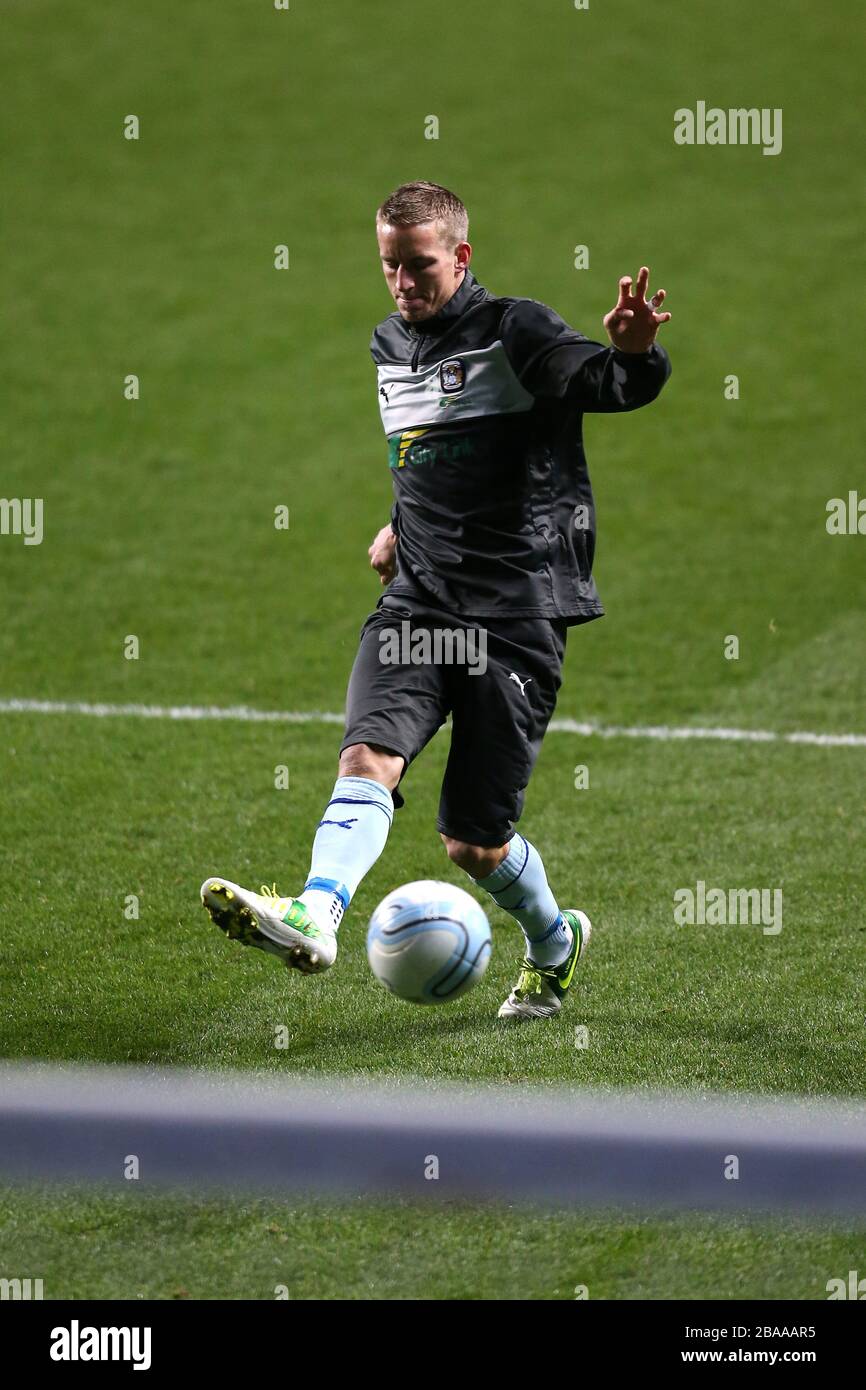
{"points": [[450, 312]]}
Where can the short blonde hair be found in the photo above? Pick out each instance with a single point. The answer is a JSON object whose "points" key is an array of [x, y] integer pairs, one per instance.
{"points": [[414, 203]]}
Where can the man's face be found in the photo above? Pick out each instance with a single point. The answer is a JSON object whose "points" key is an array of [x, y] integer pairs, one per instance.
{"points": [[422, 273]]}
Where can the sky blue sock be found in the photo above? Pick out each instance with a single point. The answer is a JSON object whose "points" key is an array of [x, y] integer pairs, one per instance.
{"points": [[350, 837], [519, 885]]}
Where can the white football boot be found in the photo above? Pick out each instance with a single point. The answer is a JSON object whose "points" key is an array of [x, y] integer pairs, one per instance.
{"points": [[281, 926]]}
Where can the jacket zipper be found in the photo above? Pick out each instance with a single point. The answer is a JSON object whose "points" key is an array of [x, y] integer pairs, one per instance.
{"points": [[417, 353]]}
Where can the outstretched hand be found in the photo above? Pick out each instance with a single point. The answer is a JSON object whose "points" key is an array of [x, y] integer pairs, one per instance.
{"points": [[634, 321]]}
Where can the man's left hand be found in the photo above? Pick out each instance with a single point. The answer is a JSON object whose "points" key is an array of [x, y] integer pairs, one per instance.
{"points": [[634, 321]]}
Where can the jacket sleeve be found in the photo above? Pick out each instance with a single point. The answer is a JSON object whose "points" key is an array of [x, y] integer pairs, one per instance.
{"points": [[554, 362]]}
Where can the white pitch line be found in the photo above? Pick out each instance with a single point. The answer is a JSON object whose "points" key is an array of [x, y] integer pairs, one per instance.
{"points": [[237, 713], [667, 733], [244, 715]]}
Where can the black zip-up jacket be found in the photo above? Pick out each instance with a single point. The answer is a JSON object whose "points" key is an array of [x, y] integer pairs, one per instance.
{"points": [[482, 406]]}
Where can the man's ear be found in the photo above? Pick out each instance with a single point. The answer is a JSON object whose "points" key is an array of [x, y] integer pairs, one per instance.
{"points": [[462, 256]]}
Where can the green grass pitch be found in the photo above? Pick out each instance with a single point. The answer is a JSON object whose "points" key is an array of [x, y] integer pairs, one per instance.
{"points": [[155, 257]]}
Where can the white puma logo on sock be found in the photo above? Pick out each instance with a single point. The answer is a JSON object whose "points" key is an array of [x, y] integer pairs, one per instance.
{"points": [[522, 684]]}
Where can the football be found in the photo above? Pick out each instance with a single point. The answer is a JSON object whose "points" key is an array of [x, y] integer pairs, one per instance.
{"points": [[428, 942]]}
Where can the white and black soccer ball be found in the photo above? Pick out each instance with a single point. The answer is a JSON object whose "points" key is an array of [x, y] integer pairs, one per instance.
{"points": [[428, 942]]}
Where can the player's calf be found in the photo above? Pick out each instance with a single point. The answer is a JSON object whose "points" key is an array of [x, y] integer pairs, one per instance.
{"points": [[515, 878], [302, 931]]}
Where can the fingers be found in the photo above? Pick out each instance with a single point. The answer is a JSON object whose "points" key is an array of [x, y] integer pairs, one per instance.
{"points": [[656, 303], [638, 291], [627, 291]]}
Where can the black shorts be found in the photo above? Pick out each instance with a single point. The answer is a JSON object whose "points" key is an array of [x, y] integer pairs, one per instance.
{"points": [[499, 717]]}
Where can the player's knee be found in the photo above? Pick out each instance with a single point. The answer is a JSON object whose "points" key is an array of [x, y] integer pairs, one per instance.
{"points": [[369, 760], [477, 860]]}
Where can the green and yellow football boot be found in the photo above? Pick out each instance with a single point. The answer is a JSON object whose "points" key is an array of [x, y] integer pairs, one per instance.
{"points": [[540, 989]]}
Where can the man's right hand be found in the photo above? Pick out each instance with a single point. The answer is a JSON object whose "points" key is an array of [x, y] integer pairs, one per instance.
{"points": [[383, 553]]}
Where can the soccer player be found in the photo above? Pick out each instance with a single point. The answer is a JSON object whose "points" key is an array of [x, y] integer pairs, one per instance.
{"points": [[490, 549]]}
